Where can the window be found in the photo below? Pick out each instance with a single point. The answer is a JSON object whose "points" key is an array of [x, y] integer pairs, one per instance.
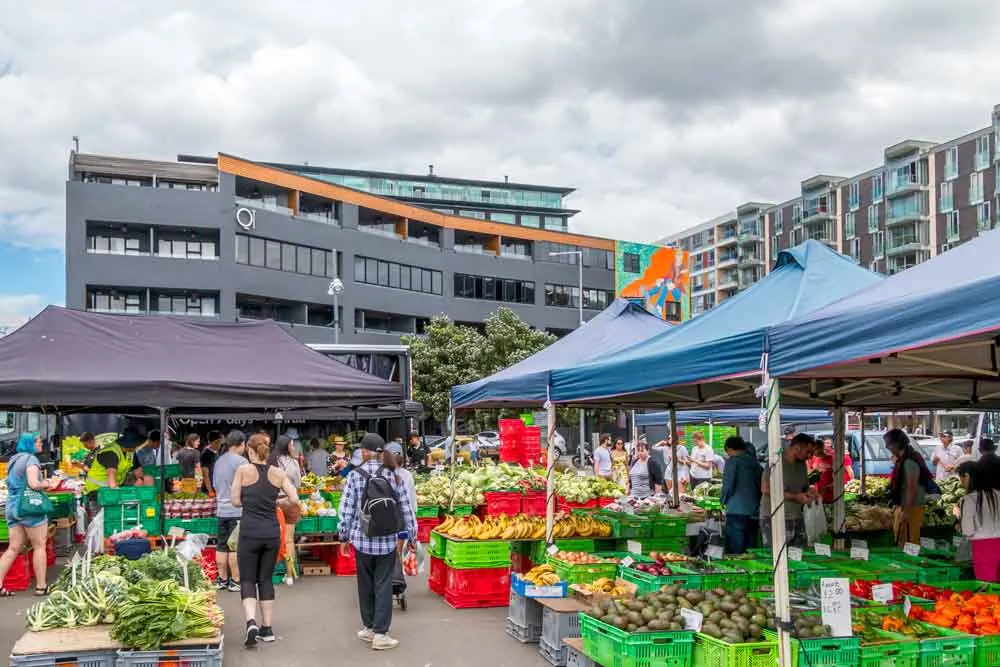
{"points": [[398, 276], [946, 200], [107, 242], [951, 163], [878, 245], [878, 188], [982, 152], [507, 218], [488, 288], [951, 226], [108, 300], [193, 303], [556, 222], [775, 246], [479, 215], [531, 221], [976, 187], [288, 257], [854, 196], [854, 249], [569, 296], [983, 219], [630, 262], [873, 215], [779, 221], [796, 214], [849, 225]]}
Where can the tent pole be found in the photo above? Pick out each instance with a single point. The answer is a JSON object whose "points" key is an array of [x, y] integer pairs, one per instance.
{"points": [[404, 435], [583, 438], [453, 446], [673, 456], [839, 445], [775, 458], [162, 465], [550, 463], [635, 430], [864, 446]]}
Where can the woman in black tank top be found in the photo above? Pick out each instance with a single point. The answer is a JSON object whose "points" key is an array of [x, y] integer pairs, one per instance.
{"points": [[255, 489]]}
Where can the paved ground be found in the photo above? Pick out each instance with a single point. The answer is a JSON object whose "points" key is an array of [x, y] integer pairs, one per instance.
{"points": [[316, 621]]}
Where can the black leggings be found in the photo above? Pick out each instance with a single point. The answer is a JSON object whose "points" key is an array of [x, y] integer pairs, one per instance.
{"points": [[256, 558]]}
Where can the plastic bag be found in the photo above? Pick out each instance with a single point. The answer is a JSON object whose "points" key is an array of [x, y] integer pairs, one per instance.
{"points": [[95, 534], [234, 539], [423, 560], [411, 567], [192, 545], [815, 520]]}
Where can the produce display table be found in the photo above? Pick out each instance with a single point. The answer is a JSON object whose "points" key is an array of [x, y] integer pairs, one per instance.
{"points": [[92, 646]]}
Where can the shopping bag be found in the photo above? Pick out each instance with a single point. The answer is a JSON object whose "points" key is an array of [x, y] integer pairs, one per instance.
{"points": [[410, 566], [815, 520], [234, 539], [95, 534]]}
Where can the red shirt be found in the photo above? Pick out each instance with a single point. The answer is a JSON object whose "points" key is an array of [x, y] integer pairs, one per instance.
{"points": [[824, 464]]}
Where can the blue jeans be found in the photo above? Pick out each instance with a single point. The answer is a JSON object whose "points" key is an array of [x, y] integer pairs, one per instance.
{"points": [[740, 533]]}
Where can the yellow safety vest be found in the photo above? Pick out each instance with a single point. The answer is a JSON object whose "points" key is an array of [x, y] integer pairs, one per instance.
{"points": [[97, 476]]}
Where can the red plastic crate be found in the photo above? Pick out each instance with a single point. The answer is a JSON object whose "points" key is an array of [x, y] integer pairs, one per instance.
{"points": [[457, 601], [520, 563], [424, 527], [436, 577], [19, 576], [344, 564], [484, 582], [604, 501], [533, 503], [502, 502], [510, 427], [563, 505]]}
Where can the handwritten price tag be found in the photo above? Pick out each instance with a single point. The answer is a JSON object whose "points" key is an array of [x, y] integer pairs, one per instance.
{"points": [[176, 531], [911, 549], [795, 553], [928, 543], [714, 552], [907, 606], [835, 606], [581, 473], [633, 547], [627, 561], [823, 550], [859, 544], [857, 553], [882, 593], [552, 550], [692, 619]]}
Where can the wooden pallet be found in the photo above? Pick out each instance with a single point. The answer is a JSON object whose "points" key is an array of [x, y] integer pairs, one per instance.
{"points": [[314, 568]]}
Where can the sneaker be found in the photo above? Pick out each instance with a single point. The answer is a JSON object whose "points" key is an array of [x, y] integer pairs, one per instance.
{"points": [[366, 635], [252, 633], [384, 642], [220, 584], [266, 634], [232, 586]]}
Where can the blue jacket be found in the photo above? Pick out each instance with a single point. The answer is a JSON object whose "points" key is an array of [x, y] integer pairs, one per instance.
{"points": [[741, 485]]}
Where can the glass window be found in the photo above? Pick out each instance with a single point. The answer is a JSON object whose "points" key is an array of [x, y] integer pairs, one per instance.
{"points": [[630, 262], [555, 222], [303, 260], [318, 262], [242, 249], [508, 218], [208, 249], [427, 283], [332, 264], [530, 221], [288, 257], [436, 282], [371, 271], [359, 269], [273, 249], [404, 277], [257, 252], [489, 288], [394, 275]]}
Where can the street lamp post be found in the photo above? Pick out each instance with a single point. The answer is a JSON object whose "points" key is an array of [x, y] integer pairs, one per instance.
{"points": [[579, 303], [335, 289]]}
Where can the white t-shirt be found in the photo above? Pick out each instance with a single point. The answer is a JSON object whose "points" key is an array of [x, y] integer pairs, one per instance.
{"points": [[948, 456], [602, 457], [668, 462], [706, 455], [972, 526]]}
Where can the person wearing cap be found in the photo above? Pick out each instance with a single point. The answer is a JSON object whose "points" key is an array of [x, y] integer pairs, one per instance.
{"points": [[417, 452], [113, 463], [375, 556], [404, 475], [945, 456]]}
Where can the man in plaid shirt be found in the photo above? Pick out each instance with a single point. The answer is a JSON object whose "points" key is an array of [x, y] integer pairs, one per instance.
{"points": [[375, 556]]}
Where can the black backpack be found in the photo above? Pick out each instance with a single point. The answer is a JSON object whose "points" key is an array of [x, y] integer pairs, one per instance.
{"points": [[381, 514]]}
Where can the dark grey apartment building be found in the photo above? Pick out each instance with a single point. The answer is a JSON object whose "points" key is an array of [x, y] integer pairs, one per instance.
{"points": [[925, 198], [231, 239]]}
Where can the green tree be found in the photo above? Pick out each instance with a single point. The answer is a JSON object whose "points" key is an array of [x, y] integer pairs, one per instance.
{"points": [[447, 354], [509, 339]]}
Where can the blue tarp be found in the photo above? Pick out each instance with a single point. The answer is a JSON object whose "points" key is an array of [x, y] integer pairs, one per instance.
{"points": [[725, 342], [948, 299], [620, 325], [730, 416]]}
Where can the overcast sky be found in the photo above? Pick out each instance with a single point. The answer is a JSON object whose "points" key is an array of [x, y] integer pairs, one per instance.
{"points": [[662, 113]]}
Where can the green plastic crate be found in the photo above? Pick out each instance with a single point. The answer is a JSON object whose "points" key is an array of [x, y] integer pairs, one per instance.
{"points": [[123, 517], [63, 504], [711, 652], [476, 554], [988, 651], [760, 576], [607, 645], [437, 545], [647, 583], [952, 649], [803, 575], [170, 471], [665, 525], [620, 555], [627, 525], [4, 529], [892, 651], [970, 585], [728, 578], [928, 571], [205, 526], [327, 524], [126, 494], [538, 553], [427, 511], [825, 652], [307, 524], [460, 510], [677, 545], [583, 573]]}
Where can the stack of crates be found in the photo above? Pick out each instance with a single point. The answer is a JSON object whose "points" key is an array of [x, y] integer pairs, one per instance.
{"points": [[519, 443], [524, 618], [478, 573], [129, 507], [557, 625]]}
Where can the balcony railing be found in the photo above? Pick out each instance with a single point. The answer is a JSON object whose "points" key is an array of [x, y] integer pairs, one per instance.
{"points": [[729, 260], [264, 204], [424, 241], [471, 249], [750, 260], [324, 217], [378, 231]]}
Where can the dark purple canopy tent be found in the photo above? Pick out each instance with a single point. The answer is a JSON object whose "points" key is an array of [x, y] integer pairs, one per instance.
{"points": [[72, 361]]}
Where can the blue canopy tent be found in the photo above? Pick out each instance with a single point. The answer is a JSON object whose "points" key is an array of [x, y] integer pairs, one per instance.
{"points": [[619, 326], [927, 336], [730, 416], [723, 345]]}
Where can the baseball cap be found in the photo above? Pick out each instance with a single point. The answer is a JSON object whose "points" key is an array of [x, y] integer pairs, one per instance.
{"points": [[789, 430], [373, 442], [946, 434], [293, 433], [394, 448]]}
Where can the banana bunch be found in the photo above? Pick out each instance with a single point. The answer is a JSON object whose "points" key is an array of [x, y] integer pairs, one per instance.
{"points": [[603, 585], [542, 575], [574, 525], [521, 527]]}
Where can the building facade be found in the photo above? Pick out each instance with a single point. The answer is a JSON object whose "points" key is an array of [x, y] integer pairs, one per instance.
{"points": [[923, 199], [233, 239]]}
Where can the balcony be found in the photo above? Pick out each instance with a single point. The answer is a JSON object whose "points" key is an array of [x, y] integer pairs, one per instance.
{"points": [[727, 260], [728, 280], [911, 215], [747, 261], [817, 216], [727, 238], [265, 204]]}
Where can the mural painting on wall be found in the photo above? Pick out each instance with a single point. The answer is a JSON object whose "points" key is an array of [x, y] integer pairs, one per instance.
{"points": [[657, 277]]}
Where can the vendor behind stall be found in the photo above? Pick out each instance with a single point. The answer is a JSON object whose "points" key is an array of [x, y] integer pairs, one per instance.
{"points": [[112, 465]]}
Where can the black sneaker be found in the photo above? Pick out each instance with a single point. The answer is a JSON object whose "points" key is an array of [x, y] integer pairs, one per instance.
{"points": [[252, 633], [220, 584], [266, 634], [232, 586]]}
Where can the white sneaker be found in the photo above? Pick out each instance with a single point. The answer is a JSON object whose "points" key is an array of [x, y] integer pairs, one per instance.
{"points": [[366, 635], [384, 643]]}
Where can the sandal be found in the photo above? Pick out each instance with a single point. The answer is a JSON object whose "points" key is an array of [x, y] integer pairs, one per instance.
{"points": [[4, 593], [42, 592]]}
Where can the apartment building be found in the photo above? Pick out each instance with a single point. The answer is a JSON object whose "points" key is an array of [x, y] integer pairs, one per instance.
{"points": [[363, 257], [923, 199]]}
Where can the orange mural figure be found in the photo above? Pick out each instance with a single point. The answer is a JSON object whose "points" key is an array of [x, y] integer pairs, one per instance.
{"points": [[664, 280]]}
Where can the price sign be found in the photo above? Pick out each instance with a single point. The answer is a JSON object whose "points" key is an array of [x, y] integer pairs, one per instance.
{"points": [[857, 553], [928, 543], [882, 593], [795, 553], [715, 552], [859, 544], [175, 531], [627, 561], [692, 619], [581, 473], [907, 606], [439, 468], [911, 549], [552, 550], [835, 606], [633, 547], [823, 549]]}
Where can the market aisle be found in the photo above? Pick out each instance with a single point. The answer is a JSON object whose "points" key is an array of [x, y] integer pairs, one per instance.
{"points": [[318, 619]]}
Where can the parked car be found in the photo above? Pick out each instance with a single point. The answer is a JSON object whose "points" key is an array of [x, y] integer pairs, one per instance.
{"points": [[878, 460]]}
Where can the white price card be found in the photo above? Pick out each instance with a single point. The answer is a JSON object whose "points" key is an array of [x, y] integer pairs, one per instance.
{"points": [[795, 553], [928, 543], [907, 606], [882, 593], [835, 606], [859, 544], [581, 473], [176, 531], [911, 549], [712, 525], [858, 553], [439, 467], [823, 549], [627, 561], [633, 547], [552, 550], [692, 619], [715, 552]]}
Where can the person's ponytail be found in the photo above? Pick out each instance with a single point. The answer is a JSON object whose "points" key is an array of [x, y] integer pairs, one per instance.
{"points": [[260, 445]]}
